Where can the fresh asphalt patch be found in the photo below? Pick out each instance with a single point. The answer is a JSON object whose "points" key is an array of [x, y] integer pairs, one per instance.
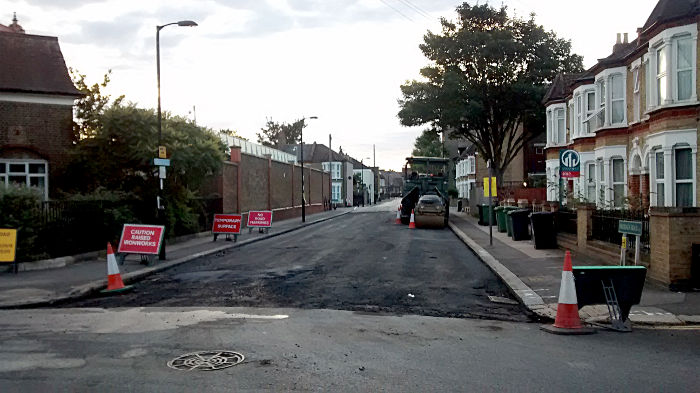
{"points": [[359, 262]]}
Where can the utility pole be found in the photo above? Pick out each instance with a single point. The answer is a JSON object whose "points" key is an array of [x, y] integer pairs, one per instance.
{"points": [[490, 187]]}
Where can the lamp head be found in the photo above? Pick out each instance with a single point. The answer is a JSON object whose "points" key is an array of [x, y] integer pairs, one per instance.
{"points": [[188, 23]]}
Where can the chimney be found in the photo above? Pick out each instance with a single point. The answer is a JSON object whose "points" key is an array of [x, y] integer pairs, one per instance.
{"points": [[624, 41], [618, 43]]}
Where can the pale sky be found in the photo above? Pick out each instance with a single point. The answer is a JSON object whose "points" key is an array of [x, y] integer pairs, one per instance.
{"points": [[249, 60]]}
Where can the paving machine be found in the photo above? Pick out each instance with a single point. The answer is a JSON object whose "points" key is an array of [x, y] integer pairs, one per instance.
{"points": [[424, 176]]}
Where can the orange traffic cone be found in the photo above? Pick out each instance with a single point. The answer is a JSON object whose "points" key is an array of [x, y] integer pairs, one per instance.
{"points": [[398, 216], [114, 278], [412, 223], [567, 320]]}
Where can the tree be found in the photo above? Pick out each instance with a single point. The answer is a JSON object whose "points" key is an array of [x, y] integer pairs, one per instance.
{"points": [[118, 156], [276, 134], [88, 108], [428, 144], [488, 75]]}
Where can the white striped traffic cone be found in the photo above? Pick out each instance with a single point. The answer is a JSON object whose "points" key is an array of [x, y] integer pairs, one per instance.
{"points": [[398, 216], [412, 223], [567, 320], [114, 278]]}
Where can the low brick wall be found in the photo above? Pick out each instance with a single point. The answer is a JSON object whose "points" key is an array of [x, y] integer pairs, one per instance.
{"points": [[673, 232]]}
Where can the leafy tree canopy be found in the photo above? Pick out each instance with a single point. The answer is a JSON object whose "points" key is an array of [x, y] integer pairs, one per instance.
{"points": [[88, 108], [276, 134], [119, 154], [487, 76], [428, 144]]}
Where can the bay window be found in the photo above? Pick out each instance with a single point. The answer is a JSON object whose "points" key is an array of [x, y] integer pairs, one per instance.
{"points": [[579, 121], [590, 182], [684, 68], [672, 61], [618, 181], [660, 190], [561, 125], [684, 177], [636, 104], [617, 99], [661, 76]]}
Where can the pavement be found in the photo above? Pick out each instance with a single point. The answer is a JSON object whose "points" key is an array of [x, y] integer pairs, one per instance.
{"points": [[534, 278], [80, 279]]}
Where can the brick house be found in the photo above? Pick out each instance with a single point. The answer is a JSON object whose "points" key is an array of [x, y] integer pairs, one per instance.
{"points": [[340, 167], [36, 109], [632, 117]]}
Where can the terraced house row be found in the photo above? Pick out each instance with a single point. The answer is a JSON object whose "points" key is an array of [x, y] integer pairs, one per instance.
{"points": [[632, 117]]}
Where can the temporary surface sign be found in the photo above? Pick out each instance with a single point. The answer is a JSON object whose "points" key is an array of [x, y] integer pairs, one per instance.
{"points": [[260, 219], [162, 152], [493, 187], [141, 239], [8, 244], [227, 223], [569, 164]]}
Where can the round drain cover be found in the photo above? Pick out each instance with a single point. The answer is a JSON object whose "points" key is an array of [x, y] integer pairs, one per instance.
{"points": [[206, 360]]}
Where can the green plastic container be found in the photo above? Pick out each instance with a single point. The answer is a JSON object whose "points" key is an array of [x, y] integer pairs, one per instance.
{"points": [[500, 218]]}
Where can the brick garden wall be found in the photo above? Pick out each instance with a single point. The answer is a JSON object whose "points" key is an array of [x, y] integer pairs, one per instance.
{"points": [[283, 187]]}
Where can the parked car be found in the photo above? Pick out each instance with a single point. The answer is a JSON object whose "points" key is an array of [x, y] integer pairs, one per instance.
{"points": [[431, 211]]}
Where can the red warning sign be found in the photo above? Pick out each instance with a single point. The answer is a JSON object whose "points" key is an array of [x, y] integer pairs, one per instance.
{"points": [[260, 219], [141, 239], [227, 223]]}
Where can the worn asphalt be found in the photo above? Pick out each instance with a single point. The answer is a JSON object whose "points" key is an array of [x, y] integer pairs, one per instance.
{"points": [[360, 262]]}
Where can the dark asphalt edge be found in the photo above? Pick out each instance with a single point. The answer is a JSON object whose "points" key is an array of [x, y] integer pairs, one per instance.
{"points": [[93, 287], [523, 293]]}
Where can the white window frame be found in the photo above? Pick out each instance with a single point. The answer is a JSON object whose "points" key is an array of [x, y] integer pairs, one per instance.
{"points": [[668, 40], [636, 91], [604, 156], [336, 190], [676, 67], [621, 182], [560, 121], [658, 180], [591, 181], [668, 142], [5, 177], [604, 94], [677, 181], [578, 108], [554, 137]]}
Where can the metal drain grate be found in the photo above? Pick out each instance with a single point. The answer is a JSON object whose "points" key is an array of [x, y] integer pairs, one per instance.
{"points": [[206, 360]]}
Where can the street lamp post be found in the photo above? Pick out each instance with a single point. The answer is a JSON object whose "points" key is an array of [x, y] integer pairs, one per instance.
{"points": [[301, 148], [161, 215]]}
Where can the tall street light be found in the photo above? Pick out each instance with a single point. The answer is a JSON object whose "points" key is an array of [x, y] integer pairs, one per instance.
{"points": [[301, 148], [184, 23]]}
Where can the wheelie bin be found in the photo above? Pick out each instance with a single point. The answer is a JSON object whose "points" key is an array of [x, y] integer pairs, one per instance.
{"points": [[500, 218], [544, 234], [484, 215], [520, 224]]}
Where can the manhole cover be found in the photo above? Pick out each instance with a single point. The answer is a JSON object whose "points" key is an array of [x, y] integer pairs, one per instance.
{"points": [[206, 360]]}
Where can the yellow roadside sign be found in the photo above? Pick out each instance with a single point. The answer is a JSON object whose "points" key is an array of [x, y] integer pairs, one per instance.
{"points": [[8, 244], [162, 153], [492, 186]]}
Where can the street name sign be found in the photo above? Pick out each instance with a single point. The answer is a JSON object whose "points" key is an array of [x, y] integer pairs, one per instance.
{"points": [[260, 219], [227, 223], [569, 164], [161, 161], [630, 227], [141, 239], [8, 245]]}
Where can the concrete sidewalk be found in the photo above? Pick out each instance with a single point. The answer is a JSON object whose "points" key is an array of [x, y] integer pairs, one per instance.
{"points": [[41, 287], [534, 276]]}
